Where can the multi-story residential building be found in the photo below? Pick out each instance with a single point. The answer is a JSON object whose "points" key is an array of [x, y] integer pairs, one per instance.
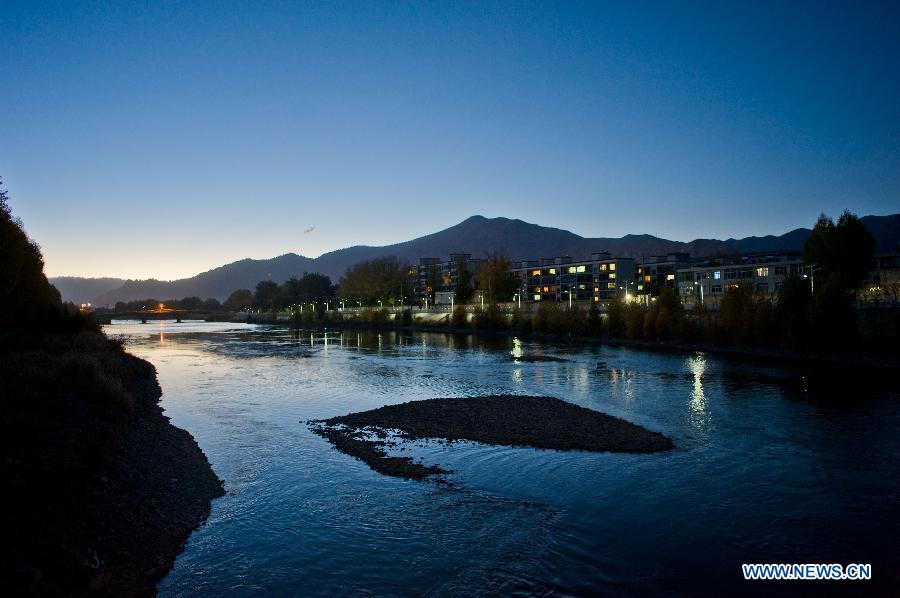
{"points": [[597, 279], [660, 271], [763, 273], [435, 278]]}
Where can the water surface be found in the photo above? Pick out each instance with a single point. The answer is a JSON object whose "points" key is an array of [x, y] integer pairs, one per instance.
{"points": [[772, 464]]}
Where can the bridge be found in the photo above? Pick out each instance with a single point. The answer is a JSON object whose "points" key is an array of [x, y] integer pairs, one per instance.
{"points": [[145, 316]]}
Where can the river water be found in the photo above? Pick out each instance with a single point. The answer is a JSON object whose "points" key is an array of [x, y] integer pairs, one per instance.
{"points": [[772, 464]]}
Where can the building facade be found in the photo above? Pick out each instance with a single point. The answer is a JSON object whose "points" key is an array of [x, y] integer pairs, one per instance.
{"points": [[436, 278], [708, 281], [659, 272], [562, 279]]}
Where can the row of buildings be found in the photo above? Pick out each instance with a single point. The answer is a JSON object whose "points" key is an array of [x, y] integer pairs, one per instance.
{"points": [[604, 277]]}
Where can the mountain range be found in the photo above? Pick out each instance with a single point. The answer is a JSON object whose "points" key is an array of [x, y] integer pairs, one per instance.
{"points": [[476, 235]]}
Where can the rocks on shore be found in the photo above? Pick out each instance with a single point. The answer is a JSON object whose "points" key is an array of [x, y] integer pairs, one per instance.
{"points": [[509, 420]]}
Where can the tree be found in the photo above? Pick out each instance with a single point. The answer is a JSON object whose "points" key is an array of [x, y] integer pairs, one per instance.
{"points": [[463, 292], [310, 287], [495, 279], [433, 278], [792, 311], [26, 296], [266, 295], [736, 315], [843, 250], [381, 278], [239, 300]]}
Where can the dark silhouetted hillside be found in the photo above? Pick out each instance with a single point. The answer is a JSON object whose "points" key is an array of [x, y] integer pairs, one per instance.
{"points": [[476, 235], [83, 290]]}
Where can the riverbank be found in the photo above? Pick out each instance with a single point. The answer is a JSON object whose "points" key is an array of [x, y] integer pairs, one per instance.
{"points": [[104, 490], [508, 420], [859, 359]]}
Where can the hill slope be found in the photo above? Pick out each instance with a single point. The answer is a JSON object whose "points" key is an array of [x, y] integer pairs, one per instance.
{"points": [[476, 235]]}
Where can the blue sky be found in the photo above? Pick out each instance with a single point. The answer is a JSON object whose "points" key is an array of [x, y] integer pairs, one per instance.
{"points": [[169, 138]]}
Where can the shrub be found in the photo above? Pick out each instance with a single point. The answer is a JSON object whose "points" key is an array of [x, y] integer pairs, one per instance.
{"points": [[458, 317]]}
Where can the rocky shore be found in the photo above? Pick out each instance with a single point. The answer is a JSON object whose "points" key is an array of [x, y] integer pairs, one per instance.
{"points": [[509, 420], [116, 532]]}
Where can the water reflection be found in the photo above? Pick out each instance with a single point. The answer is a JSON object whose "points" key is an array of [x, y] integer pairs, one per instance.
{"points": [[517, 351], [773, 474], [697, 367]]}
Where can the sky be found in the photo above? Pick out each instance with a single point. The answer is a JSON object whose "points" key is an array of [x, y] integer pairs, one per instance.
{"points": [[164, 139]]}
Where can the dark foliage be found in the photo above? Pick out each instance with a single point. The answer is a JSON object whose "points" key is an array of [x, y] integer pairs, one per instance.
{"points": [[494, 278], [240, 300], [380, 279], [842, 251]]}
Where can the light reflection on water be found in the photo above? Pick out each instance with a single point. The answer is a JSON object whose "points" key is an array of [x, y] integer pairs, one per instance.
{"points": [[763, 470]]}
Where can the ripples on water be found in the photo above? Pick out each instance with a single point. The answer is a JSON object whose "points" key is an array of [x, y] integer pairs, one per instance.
{"points": [[771, 465]]}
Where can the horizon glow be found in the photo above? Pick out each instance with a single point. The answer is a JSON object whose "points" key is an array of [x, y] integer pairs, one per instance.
{"points": [[164, 141]]}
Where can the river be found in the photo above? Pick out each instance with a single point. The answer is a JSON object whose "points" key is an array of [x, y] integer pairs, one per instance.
{"points": [[771, 464]]}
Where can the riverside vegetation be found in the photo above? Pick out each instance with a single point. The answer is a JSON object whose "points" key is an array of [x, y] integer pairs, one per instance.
{"points": [[101, 491], [796, 320]]}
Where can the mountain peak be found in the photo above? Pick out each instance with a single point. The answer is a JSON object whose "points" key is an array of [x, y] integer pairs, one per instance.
{"points": [[477, 234]]}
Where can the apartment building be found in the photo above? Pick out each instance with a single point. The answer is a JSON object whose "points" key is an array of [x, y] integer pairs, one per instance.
{"points": [[597, 279], [436, 278], [661, 271], [708, 281]]}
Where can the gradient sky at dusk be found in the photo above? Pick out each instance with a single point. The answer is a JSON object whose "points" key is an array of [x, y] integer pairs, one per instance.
{"points": [[164, 140]]}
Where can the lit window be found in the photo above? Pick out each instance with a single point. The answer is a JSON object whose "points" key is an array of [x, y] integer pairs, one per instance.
{"points": [[762, 271], [610, 285], [596, 289], [612, 266], [552, 270], [535, 272], [580, 269], [571, 269], [603, 266], [545, 289], [537, 297], [640, 287], [612, 275], [647, 278], [596, 298], [717, 275], [670, 277]]}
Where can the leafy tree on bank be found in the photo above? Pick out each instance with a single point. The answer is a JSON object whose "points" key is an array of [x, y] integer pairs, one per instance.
{"points": [[433, 278], [311, 287], [843, 250], [266, 295], [793, 312], [464, 291], [239, 300], [381, 278], [495, 279]]}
